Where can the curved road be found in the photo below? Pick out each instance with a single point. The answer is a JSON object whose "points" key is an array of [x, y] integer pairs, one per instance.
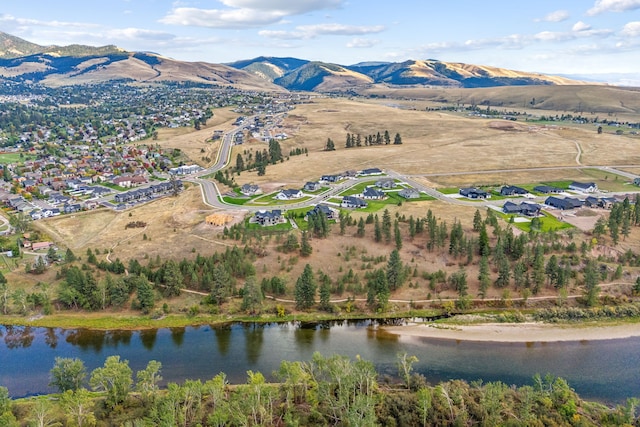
{"points": [[211, 194]]}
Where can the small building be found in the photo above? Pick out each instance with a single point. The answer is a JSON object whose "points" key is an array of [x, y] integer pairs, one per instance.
{"points": [[386, 183], [409, 193], [289, 194], [636, 181], [583, 187], [547, 189], [512, 190], [250, 190], [371, 193], [268, 218], [563, 204], [351, 202], [474, 193], [312, 186]]}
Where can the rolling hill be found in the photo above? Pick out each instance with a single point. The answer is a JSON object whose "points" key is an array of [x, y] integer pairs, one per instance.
{"points": [[324, 77]]}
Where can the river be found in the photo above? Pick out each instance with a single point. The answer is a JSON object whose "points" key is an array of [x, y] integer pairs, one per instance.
{"points": [[607, 370]]}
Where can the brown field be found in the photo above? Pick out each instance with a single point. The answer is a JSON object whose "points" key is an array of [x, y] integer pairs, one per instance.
{"points": [[612, 102], [433, 142], [192, 142], [175, 228]]}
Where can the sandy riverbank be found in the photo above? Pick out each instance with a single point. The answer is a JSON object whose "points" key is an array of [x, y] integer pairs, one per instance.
{"points": [[517, 332]]}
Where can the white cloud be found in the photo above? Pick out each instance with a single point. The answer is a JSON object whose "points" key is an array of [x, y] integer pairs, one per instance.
{"points": [[361, 43], [245, 13], [288, 7], [313, 31], [137, 34], [602, 6], [580, 26], [631, 29], [556, 16]]}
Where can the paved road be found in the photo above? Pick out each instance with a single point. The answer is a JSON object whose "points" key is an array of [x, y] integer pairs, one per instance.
{"points": [[211, 194]]}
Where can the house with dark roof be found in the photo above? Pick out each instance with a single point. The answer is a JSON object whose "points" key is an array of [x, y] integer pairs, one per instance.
{"points": [[250, 189], [386, 183], [267, 218], [371, 193], [563, 204], [370, 171], [528, 209], [325, 210], [352, 202], [547, 189], [583, 187], [600, 202], [330, 178], [312, 186], [512, 190], [409, 193], [474, 193]]}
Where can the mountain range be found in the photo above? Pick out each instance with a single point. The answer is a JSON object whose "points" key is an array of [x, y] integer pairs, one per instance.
{"points": [[23, 61]]}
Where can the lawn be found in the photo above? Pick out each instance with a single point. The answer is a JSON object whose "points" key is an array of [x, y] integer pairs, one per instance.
{"points": [[235, 200], [548, 221], [6, 158], [270, 200]]}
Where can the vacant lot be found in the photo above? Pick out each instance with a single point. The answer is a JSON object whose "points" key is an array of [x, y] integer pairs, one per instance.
{"points": [[175, 229], [433, 142]]}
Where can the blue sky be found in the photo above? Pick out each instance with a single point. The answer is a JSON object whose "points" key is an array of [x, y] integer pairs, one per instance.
{"points": [[559, 37]]}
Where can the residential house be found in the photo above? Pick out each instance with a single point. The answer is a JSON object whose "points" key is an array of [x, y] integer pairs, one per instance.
{"points": [[547, 189], [330, 213], [512, 190], [409, 193], [250, 190], [600, 202], [386, 183], [528, 209], [636, 181], [122, 181], [583, 187], [289, 194], [312, 186], [370, 171], [371, 193], [352, 202], [563, 204], [267, 218], [474, 193], [330, 178]]}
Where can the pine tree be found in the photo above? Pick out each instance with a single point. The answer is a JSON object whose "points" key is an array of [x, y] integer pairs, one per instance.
{"points": [[349, 143], [387, 138], [305, 290], [395, 276], [483, 276], [377, 230], [360, 232], [305, 245], [329, 146], [397, 140], [239, 163], [477, 221], [397, 235], [386, 225], [325, 292]]}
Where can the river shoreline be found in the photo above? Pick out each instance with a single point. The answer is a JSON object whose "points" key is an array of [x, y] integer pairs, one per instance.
{"points": [[518, 332]]}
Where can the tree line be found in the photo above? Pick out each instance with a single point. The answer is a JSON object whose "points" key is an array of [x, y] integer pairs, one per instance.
{"points": [[334, 390]]}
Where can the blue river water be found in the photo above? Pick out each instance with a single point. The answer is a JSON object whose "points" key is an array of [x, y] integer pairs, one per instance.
{"points": [[607, 370]]}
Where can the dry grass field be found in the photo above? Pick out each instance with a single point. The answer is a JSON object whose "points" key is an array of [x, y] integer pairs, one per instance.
{"points": [[433, 142], [176, 228]]}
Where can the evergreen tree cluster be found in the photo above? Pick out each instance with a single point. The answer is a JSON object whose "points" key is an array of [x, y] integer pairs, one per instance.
{"points": [[357, 140]]}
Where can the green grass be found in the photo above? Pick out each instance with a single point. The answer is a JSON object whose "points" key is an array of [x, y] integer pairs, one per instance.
{"points": [[321, 190], [548, 221], [6, 158], [357, 189], [268, 200], [235, 200], [607, 180], [560, 184], [449, 190]]}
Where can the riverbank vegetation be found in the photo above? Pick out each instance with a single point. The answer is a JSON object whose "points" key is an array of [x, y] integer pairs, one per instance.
{"points": [[331, 390]]}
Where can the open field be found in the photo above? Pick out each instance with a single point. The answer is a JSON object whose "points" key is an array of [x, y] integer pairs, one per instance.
{"points": [[192, 142], [621, 103], [176, 227], [433, 142]]}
